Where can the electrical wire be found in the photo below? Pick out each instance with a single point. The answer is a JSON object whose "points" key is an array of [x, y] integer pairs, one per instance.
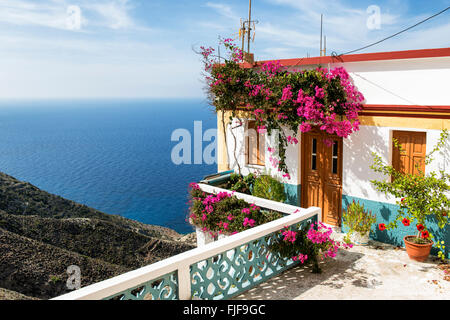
{"points": [[394, 35]]}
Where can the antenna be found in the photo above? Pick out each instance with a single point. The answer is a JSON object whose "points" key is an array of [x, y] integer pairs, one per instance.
{"points": [[242, 33], [249, 24], [321, 26], [246, 29]]}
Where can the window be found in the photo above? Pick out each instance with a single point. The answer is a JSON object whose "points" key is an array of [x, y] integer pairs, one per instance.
{"points": [[255, 144], [314, 154], [411, 158], [334, 158]]}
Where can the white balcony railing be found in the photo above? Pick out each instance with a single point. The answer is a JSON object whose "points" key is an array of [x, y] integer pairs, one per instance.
{"points": [[218, 270]]}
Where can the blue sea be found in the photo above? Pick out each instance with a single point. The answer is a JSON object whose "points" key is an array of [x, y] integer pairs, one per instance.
{"points": [[112, 155]]}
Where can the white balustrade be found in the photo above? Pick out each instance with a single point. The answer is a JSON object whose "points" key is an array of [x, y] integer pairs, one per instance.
{"points": [[182, 262]]}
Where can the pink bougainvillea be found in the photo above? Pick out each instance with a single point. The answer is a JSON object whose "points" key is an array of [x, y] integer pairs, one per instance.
{"points": [[278, 98]]}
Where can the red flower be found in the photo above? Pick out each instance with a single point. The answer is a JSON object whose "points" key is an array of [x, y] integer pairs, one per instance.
{"points": [[406, 222], [420, 227], [444, 213], [382, 226], [402, 199], [425, 234]]}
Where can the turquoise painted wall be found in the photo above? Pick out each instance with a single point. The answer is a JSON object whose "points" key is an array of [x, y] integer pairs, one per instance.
{"points": [[386, 213], [293, 193]]}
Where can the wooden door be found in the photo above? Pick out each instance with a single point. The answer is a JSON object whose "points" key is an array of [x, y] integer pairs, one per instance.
{"points": [[412, 156], [322, 175]]}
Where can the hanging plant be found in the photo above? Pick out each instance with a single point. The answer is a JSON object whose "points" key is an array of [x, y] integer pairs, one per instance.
{"points": [[280, 99]]}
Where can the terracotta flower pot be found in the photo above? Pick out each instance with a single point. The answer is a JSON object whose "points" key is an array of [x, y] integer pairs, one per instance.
{"points": [[415, 251]]}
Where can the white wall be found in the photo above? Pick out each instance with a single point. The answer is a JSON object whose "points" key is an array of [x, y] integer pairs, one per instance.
{"points": [[292, 154], [357, 158], [421, 81]]}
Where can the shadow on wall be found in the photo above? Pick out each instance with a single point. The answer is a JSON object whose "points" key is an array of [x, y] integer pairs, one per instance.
{"points": [[358, 158], [386, 213]]}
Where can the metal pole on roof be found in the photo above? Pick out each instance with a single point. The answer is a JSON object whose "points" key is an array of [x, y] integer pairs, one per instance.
{"points": [[249, 28], [321, 24], [243, 35]]}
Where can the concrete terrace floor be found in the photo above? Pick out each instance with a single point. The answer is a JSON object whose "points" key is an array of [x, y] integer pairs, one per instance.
{"points": [[375, 272]]}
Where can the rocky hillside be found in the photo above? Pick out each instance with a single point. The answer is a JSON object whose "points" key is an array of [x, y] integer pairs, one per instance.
{"points": [[42, 234]]}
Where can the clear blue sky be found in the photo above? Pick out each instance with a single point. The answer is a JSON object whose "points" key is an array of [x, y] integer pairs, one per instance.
{"points": [[143, 48]]}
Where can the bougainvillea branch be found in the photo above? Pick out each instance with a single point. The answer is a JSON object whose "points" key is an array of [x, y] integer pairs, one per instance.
{"points": [[279, 99]]}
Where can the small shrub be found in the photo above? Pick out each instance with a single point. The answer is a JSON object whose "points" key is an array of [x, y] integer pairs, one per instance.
{"points": [[241, 184], [270, 188], [356, 218]]}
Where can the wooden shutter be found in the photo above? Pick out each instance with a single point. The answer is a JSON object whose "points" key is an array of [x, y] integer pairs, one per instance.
{"points": [[255, 144], [412, 156]]}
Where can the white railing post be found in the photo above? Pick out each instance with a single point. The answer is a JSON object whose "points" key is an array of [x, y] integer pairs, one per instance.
{"points": [[184, 283]]}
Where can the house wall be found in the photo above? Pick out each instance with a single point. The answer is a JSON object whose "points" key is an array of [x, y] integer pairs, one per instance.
{"points": [[357, 158], [232, 155], [422, 81]]}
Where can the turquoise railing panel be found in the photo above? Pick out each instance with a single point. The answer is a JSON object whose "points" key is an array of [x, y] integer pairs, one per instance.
{"points": [[237, 270], [164, 288]]}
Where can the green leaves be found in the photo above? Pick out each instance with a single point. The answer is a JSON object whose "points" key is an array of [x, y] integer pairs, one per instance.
{"points": [[270, 188], [356, 218], [422, 195]]}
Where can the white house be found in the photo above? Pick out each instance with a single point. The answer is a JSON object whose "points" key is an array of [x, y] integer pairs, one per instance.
{"points": [[407, 96]]}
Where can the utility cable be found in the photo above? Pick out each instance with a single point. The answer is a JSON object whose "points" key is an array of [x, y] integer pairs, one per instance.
{"points": [[391, 36]]}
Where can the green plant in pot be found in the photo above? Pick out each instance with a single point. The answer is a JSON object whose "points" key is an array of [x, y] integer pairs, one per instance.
{"points": [[423, 198], [359, 222]]}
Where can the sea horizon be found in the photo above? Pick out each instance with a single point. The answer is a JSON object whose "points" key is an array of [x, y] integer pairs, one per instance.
{"points": [[111, 154]]}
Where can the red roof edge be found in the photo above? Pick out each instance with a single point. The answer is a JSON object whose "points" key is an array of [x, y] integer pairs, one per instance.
{"points": [[392, 55]]}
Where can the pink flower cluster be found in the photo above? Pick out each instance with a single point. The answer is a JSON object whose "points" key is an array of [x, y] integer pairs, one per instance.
{"points": [[258, 89], [212, 199], [292, 140], [321, 236], [249, 222], [275, 162], [262, 129], [272, 67], [206, 52], [223, 225], [300, 257], [250, 210], [194, 186], [286, 94], [289, 236]]}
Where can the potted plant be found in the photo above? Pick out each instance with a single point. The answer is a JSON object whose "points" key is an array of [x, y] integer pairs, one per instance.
{"points": [[423, 198], [359, 221], [418, 247]]}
